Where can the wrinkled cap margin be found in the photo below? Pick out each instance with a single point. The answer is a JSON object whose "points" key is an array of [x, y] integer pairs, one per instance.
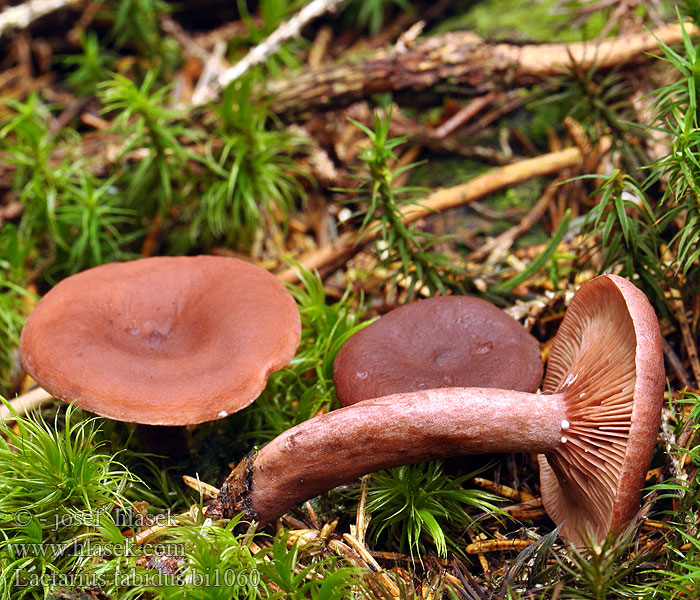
{"points": [[447, 341], [607, 361], [162, 340]]}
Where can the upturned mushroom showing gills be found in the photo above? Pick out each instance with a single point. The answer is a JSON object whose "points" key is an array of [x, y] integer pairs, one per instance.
{"points": [[595, 425], [162, 340], [447, 341]]}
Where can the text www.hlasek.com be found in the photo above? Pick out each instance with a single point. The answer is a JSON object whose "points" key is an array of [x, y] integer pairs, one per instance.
{"points": [[92, 549]]}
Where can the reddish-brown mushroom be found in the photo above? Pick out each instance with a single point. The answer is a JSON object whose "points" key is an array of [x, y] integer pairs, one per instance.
{"points": [[448, 341], [596, 425], [163, 340]]}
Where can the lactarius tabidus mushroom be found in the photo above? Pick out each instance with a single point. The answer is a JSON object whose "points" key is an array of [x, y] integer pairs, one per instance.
{"points": [[595, 425], [448, 341], [162, 340]]}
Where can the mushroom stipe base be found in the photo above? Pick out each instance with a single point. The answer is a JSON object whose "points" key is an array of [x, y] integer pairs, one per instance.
{"points": [[234, 494]]}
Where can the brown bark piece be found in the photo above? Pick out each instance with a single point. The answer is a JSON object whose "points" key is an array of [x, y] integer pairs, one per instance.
{"points": [[457, 58]]}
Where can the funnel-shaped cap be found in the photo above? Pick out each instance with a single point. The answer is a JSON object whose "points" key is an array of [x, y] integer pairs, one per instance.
{"points": [[163, 340]]}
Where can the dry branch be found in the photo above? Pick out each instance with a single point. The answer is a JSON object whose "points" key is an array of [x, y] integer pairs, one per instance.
{"points": [[498, 546], [258, 54], [458, 58], [498, 246], [22, 15], [349, 243], [25, 403]]}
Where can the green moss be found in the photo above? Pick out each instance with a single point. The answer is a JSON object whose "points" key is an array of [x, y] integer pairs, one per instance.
{"points": [[449, 171], [544, 113], [446, 171], [523, 20], [522, 196], [535, 236]]}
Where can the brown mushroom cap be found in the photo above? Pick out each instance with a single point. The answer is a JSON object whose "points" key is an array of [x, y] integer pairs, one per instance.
{"points": [[448, 341], [163, 340], [607, 362]]}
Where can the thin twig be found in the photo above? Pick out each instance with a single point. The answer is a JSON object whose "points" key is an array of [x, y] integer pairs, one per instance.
{"points": [[464, 114], [530, 510], [480, 555], [23, 15], [371, 562], [691, 349], [361, 520], [402, 125], [506, 103], [207, 490], [320, 46], [226, 32], [497, 546], [675, 363], [269, 46], [503, 490], [498, 246], [212, 67], [188, 44]]}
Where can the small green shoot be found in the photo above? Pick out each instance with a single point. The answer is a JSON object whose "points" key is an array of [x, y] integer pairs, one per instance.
{"points": [[15, 300], [90, 67], [371, 13], [541, 259], [404, 251], [251, 178], [56, 481], [411, 502], [325, 579], [157, 180]]}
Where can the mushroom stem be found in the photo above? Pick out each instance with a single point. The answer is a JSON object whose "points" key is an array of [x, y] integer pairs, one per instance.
{"points": [[337, 447]]}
